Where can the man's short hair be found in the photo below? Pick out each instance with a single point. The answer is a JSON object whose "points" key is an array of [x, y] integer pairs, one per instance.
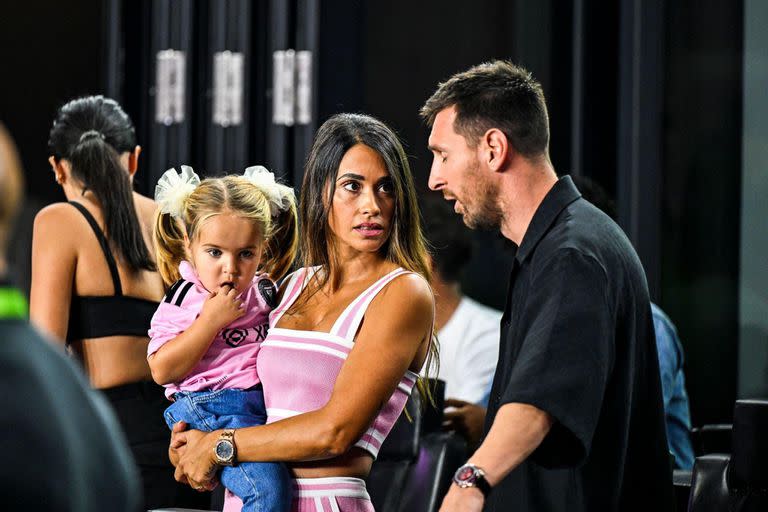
{"points": [[495, 94], [449, 239]]}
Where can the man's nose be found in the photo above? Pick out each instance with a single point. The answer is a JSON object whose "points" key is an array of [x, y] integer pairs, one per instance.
{"points": [[436, 181]]}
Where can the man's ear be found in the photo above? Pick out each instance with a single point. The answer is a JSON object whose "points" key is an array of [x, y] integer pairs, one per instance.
{"points": [[496, 149]]}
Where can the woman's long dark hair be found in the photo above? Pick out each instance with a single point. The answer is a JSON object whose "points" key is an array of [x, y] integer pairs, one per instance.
{"points": [[406, 245], [91, 133]]}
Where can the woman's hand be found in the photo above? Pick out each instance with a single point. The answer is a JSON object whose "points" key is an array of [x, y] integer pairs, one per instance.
{"points": [[191, 451]]}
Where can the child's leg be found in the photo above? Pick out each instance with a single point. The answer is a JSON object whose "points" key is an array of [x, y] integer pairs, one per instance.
{"points": [[263, 486]]}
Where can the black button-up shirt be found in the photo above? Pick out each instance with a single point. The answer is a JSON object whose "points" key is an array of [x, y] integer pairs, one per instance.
{"points": [[577, 341]]}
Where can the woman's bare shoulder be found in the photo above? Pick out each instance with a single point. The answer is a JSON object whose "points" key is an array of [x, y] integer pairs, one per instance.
{"points": [[56, 213], [144, 205], [58, 225], [406, 292]]}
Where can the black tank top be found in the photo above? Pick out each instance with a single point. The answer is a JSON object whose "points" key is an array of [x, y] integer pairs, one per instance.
{"points": [[110, 315]]}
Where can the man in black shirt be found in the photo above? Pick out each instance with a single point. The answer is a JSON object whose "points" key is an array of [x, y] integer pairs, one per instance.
{"points": [[575, 420]]}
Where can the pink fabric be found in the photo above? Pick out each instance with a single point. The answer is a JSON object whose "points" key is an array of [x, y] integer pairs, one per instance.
{"points": [[231, 359], [335, 494], [299, 368]]}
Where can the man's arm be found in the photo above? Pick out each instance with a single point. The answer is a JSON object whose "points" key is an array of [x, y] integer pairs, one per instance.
{"points": [[517, 431]]}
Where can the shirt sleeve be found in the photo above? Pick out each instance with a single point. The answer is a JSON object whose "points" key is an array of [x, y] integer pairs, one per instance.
{"points": [[666, 346], [168, 322], [566, 353]]}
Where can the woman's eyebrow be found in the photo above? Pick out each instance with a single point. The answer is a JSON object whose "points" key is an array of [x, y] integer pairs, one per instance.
{"points": [[350, 175]]}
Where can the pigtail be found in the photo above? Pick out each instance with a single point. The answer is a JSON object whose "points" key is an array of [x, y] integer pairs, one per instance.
{"points": [[283, 243], [169, 247]]}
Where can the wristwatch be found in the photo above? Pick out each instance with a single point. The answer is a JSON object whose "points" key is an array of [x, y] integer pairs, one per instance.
{"points": [[224, 450], [470, 475]]}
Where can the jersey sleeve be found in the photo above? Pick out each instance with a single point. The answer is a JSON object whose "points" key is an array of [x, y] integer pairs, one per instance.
{"points": [[178, 310]]}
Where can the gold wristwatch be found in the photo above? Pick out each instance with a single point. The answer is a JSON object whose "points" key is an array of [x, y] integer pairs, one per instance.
{"points": [[225, 450]]}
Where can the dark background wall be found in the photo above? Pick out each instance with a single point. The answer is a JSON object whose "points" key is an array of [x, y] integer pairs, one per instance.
{"points": [[385, 58]]}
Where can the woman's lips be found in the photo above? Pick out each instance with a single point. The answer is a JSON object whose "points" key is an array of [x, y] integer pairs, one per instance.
{"points": [[369, 230]]}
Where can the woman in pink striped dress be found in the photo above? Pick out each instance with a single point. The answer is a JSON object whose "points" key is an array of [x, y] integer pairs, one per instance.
{"points": [[353, 327]]}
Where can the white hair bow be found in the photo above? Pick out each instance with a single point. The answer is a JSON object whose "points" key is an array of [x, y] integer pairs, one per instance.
{"points": [[174, 188], [279, 195]]}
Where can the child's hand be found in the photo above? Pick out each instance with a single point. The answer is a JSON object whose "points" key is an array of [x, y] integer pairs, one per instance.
{"points": [[222, 307]]}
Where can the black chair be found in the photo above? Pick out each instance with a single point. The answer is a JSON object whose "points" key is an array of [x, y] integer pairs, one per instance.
{"points": [[737, 482], [413, 470], [714, 438]]}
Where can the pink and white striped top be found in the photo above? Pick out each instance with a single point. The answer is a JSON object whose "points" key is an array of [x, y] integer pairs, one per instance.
{"points": [[298, 368]]}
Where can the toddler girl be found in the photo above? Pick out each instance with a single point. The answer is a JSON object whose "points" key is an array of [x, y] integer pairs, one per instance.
{"points": [[212, 238]]}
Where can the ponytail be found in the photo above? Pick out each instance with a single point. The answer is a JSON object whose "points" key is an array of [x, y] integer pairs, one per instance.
{"points": [[169, 247], [97, 164], [91, 133], [282, 245]]}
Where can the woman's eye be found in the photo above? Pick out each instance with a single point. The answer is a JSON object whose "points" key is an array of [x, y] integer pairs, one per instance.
{"points": [[444, 158], [386, 187], [351, 186], [246, 254], [214, 252]]}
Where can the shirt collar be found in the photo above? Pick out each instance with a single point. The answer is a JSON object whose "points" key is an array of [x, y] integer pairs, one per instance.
{"points": [[563, 193]]}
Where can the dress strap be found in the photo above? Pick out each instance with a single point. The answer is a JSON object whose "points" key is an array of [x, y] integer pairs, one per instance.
{"points": [[104, 247], [348, 322], [296, 282]]}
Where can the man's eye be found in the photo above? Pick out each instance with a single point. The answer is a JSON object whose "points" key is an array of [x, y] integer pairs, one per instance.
{"points": [[443, 158], [214, 252]]}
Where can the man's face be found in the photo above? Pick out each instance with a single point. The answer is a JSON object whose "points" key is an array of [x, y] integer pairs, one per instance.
{"points": [[457, 172]]}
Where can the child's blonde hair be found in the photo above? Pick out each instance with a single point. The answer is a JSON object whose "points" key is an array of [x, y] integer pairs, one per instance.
{"points": [[214, 196]]}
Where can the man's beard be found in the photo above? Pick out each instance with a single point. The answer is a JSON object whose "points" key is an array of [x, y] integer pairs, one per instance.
{"points": [[483, 212]]}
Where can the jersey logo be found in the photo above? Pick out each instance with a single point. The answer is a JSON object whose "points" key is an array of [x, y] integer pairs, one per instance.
{"points": [[234, 337], [269, 292]]}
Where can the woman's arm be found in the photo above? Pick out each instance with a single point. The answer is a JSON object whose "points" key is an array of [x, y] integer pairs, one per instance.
{"points": [[393, 338], [54, 260], [177, 357]]}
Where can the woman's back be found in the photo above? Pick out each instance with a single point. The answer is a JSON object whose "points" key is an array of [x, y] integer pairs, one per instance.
{"points": [[70, 266]]}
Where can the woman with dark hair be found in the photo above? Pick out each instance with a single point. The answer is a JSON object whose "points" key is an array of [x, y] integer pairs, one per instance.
{"points": [[351, 331], [95, 285]]}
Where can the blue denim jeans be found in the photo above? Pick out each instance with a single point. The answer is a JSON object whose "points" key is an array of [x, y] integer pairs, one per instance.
{"points": [[263, 486]]}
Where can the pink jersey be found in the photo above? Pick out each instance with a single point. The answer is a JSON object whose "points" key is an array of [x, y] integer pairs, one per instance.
{"points": [[230, 362], [300, 367]]}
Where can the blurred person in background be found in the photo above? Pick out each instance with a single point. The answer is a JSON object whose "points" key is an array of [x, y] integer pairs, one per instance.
{"points": [[669, 348], [468, 332], [95, 285], [64, 449]]}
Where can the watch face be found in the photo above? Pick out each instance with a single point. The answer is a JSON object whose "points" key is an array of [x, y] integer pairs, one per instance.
{"points": [[224, 450], [466, 474]]}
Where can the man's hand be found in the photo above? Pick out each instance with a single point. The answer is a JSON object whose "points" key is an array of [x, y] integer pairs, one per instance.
{"points": [[458, 499], [466, 418]]}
